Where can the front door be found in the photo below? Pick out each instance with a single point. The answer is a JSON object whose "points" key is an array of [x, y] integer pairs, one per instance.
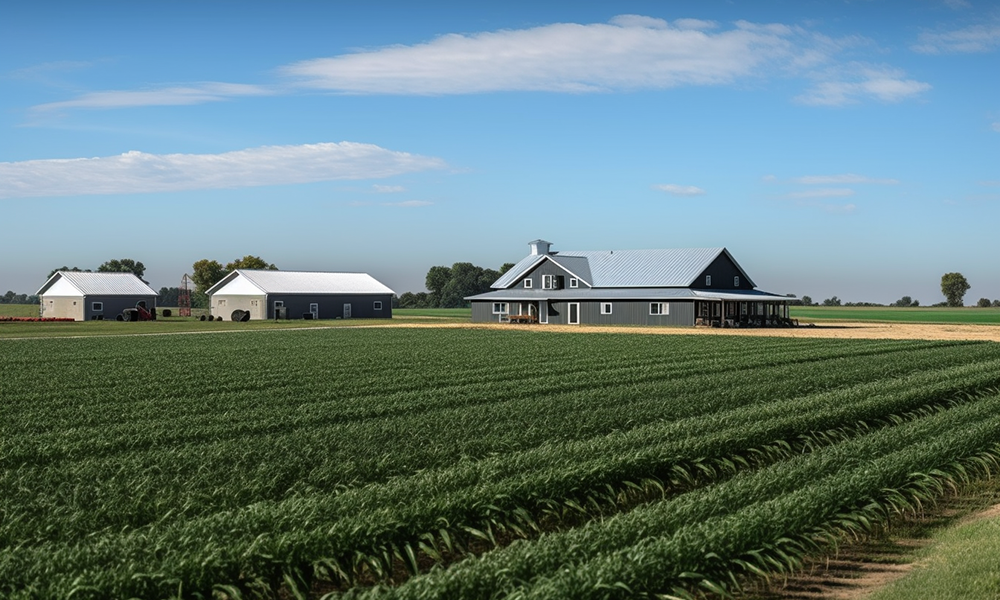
{"points": [[314, 309], [347, 311], [543, 311], [574, 313]]}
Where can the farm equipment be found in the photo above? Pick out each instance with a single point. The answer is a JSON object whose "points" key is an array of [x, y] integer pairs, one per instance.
{"points": [[139, 313], [240, 315]]}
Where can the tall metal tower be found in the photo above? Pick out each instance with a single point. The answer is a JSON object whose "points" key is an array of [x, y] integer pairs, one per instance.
{"points": [[184, 297]]}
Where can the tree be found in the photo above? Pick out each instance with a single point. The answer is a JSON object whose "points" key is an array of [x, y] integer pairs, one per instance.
{"points": [[250, 262], [903, 302], [124, 265], [996, 304], [954, 286], [206, 273], [65, 268], [506, 267], [983, 303], [835, 301], [168, 296], [807, 301], [449, 286]]}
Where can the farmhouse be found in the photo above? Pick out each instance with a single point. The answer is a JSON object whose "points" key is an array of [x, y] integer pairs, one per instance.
{"points": [[629, 287], [300, 295], [94, 296]]}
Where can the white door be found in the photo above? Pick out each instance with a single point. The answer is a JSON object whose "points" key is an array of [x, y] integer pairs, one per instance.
{"points": [[314, 309], [574, 313], [347, 311]]}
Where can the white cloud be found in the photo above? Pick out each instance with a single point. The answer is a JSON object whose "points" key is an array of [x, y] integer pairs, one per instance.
{"points": [[983, 37], [168, 96], [630, 52], [823, 193], [408, 203], [138, 172], [957, 4], [679, 190], [850, 84], [846, 178], [388, 189]]}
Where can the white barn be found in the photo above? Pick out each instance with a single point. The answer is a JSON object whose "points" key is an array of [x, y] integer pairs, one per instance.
{"points": [[93, 296]]}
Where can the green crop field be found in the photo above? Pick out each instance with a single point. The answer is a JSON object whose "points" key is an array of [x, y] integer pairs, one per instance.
{"points": [[891, 314], [18, 310], [375, 463]]}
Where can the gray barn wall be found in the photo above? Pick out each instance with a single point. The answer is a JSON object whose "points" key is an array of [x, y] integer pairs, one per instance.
{"points": [[114, 305], [722, 271], [331, 306], [623, 312]]}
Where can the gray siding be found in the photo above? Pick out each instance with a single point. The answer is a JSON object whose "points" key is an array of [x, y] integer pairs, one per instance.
{"points": [[546, 268], [331, 306], [722, 271], [631, 312], [113, 305]]}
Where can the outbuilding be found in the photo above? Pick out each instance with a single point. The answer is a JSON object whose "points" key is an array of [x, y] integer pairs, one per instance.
{"points": [[678, 286], [94, 296], [264, 294]]}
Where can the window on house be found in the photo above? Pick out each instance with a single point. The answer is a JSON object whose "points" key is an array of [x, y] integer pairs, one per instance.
{"points": [[377, 305], [548, 282], [573, 282], [500, 308], [222, 302], [736, 281], [605, 308], [527, 283], [659, 308], [708, 280], [97, 306]]}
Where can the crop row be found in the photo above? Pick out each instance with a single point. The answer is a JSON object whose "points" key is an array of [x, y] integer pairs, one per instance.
{"points": [[270, 516]]}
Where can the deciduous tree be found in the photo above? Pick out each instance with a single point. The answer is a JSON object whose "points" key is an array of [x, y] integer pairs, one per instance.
{"points": [[124, 265], [954, 286]]}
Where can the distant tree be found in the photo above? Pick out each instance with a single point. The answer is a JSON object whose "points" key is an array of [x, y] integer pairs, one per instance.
{"points": [[250, 262], [954, 286], [915, 303], [903, 302], [124, 265], [835, 301], [206, 273], [984, 303], [168, 296], [411, 300], [506, 267], [65, 268], [449, 286], [807, 301], [14, 298]]}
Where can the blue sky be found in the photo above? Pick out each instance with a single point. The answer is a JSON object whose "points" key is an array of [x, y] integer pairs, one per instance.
{"points": [[836, 148]]}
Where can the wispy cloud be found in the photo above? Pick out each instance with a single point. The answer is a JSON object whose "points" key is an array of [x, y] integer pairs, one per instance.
{"points": [[167, 96], [388, 189], [982, 37], [679, 190], [822, 193], [850, 84], [409, 203], [844, 179], [138, 172]]}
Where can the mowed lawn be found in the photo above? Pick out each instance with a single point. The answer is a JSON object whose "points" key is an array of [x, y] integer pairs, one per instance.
{"points": [[309, 461], [970, 315]]}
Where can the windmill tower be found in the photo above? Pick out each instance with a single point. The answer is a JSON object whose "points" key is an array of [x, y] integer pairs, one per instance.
{"points": [[184, 297]]}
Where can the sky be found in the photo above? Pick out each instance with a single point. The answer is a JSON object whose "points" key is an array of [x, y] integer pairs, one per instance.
{"points": [[836, 148]]}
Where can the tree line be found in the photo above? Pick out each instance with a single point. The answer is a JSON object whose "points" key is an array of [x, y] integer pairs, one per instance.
{"points": [[448, 286]]}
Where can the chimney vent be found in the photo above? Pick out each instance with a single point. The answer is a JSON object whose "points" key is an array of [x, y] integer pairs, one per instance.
{"points": [[539, 247]]}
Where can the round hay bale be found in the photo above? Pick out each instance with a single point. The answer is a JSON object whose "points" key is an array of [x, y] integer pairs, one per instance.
{"points": [[167, 312], [202, 318]]}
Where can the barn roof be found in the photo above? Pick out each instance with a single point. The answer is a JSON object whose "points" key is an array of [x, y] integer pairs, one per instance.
{"points": [[96, 284], [672, 267], [305, 282]]}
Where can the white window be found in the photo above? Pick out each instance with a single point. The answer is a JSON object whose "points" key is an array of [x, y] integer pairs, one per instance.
{"points": [[279, 304], [659, 308], [500, 308], [97, 306], [736, 281], [550, 282], [377, 305], [527, 283], [708, 280], [573, 282], [605, 308], [222, 302]]}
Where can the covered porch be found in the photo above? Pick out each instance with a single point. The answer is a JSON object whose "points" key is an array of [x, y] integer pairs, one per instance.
{"points": [[720, 312]]}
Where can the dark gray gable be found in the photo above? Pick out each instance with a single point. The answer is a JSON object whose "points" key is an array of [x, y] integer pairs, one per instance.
{"points": [[548, 268], [723, 271]]}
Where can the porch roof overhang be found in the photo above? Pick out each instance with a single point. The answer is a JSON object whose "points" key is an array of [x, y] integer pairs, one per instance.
{"points": [[598, 294]]}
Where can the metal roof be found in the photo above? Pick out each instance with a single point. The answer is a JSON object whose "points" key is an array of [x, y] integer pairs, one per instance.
{"points": [[306, 282], [673, 267], [100, 284]]}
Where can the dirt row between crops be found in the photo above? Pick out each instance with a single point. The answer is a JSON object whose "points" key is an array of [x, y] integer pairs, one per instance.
{"points": [[837, 330]]}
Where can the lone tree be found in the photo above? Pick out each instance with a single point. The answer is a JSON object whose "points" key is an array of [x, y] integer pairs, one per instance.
{"points": [[125, 265], [954, 286]]}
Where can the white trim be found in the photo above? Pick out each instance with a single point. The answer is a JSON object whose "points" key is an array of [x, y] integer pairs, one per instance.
{"points": [[574, 282], [501, 308], [661, 308], [527, 283], [569, 313], [606, 308]]}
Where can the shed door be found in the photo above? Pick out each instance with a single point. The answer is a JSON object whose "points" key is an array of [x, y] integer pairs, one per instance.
{"points": [[347, 311], [314, 309]]}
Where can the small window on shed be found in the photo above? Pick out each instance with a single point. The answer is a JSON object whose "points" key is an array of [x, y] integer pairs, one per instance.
{"points": [[377, 305], [97, 306], [527, 283], [605, 308], [500, 308], [708, 280], [736, 281]]}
